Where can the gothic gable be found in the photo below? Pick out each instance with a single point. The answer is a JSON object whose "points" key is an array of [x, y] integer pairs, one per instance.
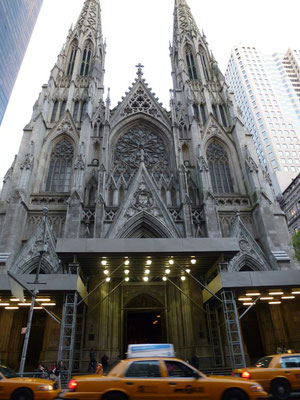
{"points": [[64, 126], [27, 259], [250, 255], [138, 100], [144, 204]]}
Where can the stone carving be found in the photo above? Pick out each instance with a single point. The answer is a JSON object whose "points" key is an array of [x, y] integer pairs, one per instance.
{"points": [[142, 201], [141, 102], [202, 164]]}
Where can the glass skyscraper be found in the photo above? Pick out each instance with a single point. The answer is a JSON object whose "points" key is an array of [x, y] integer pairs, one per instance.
{"points": [[267, 90], [17, 20]]}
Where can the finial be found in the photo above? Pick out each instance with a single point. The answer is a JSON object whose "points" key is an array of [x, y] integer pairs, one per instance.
{"points": [[139, 71]]}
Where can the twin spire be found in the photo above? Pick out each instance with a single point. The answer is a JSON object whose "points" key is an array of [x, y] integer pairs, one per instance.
{"points": [[90, 16]]}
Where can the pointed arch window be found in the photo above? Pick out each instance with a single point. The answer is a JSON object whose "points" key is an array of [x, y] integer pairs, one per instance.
{"points": [[223, 115], [215, 112], [86, 59], [219, 169], [60, 167], [203, 113], [75, 110], [54, 111], [62, 108], [72, 58], [204, 64], [83, 110], [190, 60]]}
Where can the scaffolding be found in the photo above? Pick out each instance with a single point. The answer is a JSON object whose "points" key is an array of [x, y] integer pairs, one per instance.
{"points": [[68, 337], [215, 336], [234, 337]]}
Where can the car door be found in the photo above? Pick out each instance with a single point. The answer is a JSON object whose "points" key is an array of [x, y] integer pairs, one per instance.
{"points": [[291, 370], [142, 380], [184, 382]]}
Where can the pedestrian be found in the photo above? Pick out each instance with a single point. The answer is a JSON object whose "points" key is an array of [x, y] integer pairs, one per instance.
{"points": [[52, 374], [99, 369], [93, 363], [104, 362], [59, 368], [195, 361]]}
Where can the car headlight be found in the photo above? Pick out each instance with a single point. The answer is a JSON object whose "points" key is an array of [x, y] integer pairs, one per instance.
{"points": [[256, 388], [44, 388]]}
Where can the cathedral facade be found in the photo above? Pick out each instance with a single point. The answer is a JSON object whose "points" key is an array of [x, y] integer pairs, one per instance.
{"points": [[146, 225]]}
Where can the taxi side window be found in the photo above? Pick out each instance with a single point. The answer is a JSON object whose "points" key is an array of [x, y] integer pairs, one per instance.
{"points": [[143, 369], [263, 362], [179, 370], [290, 362]]}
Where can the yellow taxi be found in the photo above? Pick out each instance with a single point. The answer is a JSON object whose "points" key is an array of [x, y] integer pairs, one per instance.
{"points": [[278, 374], [13, 387], [158, 378]]}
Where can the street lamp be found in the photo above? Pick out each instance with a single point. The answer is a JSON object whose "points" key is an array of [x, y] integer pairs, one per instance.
{"points": [[35, 292]]}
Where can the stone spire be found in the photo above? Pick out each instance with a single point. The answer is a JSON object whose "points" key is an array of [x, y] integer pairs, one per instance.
{"points": [[90, 17], [184, 22]]}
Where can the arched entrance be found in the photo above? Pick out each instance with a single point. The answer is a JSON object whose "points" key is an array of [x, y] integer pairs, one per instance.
{"points": [[144, 321]]}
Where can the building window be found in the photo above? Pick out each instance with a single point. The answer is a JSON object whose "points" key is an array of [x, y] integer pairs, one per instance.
{"points": [[203, 113], [54, 111], [83, 111], [75, 110], [214, 110], [204, 64], [219, 169], [223, 115], [196, 112], [191, 64], [86, 59], [62, 108], [59, 173], [72, 59]]}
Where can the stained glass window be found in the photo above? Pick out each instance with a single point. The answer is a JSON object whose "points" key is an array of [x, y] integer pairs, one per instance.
{"points": [[219, 169], [60, 167]]}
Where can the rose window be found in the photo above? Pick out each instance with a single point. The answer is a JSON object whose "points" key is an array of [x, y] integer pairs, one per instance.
{"points": [[141, 144]]}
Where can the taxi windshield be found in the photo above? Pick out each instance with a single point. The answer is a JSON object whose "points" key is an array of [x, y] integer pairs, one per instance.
{"points": [[263, 362], [7, 372]]}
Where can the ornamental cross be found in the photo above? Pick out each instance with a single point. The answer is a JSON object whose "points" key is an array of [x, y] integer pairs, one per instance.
{"points": [[139, 71]]}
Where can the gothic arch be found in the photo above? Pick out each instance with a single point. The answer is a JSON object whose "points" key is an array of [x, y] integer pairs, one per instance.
{"points": [[243, 260], [30, 266], [144, 225], [72, 57], [59, 165], [143, 300]]}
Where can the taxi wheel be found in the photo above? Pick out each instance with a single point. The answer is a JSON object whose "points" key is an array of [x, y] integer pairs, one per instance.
{"points": [[115, 396], [234, 394], [22, 394], [280, 389]]}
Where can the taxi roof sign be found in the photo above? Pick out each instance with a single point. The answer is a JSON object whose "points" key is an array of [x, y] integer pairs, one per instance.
{"points": [[150, 350]]}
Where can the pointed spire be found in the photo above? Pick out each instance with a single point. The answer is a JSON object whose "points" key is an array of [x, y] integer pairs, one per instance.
{"points": [[90, 16], [183, 19]]}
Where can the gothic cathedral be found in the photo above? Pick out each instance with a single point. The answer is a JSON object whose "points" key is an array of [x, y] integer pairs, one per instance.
{"points": [[162, 218]]}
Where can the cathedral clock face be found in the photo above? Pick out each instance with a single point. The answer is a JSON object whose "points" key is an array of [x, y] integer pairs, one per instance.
{"points": [[141, 144]]}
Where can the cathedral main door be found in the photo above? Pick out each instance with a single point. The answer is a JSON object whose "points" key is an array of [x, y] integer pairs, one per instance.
{"points": [[144, 321]]}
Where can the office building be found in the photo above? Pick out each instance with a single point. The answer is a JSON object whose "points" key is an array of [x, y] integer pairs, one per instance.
{"points": [[267, 91], [17, 20]]}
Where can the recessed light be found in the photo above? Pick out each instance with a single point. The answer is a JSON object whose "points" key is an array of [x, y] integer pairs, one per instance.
{"points": [[287, 297], [147, 271], [167, 271], [274, 302], [253, 294], [127, 262], [275, 293], [103, 262], [193, 261], [183, 278], [149, 262], [171, 262], [267, 298], [187, 270], [106, 271], [145, 278], [127, 279], [107, 279], [164, 278]]}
